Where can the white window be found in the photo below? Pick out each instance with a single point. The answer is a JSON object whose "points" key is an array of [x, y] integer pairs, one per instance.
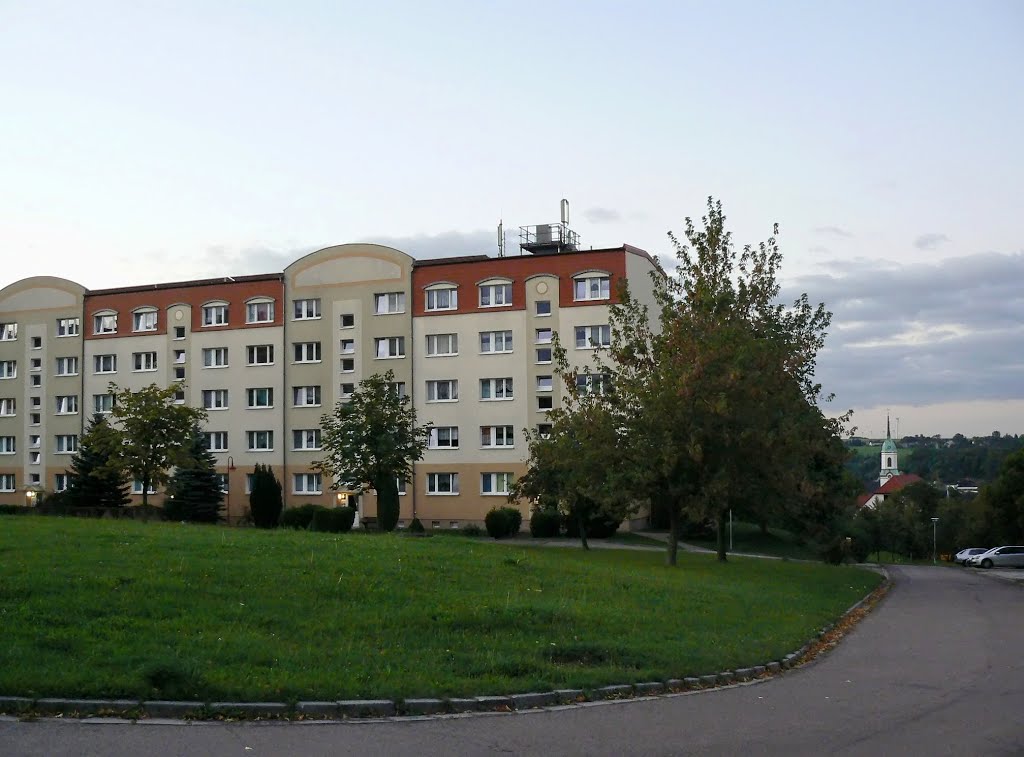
{"points": [[495, 295], [347, 321], [442, 298], [348, 346], [67, 443], [590, 337], [60, 482], [261, 311], [35, 380], [215, 357], [348, 365], [260, 397], [104, 363], [216, 441], [7, 406], [8, 369], [67, 327], [347, 391], [248, 483], [34, 419], [442, 483], [544, 384], [215, 314], [496, 389], [543, 336], [179, 373], [398, 387], [260, 441], [7, 445], [179, 357], [544, 430], [389, 347], [36, 402], [443, 390], [215, 399], [543, 307], [37, 342], [306, 396], [306, 438], [496, 436], [307, 352], [305, 310], [67, 366], [102, 403], [593, 383], [495, 483], [260, 354], [35, 364], [34, 458], [6, 482], [144, 320], [442, 345], [35, 441], [306, 483], [137, 487], [8, 332], [495, 341], [179, 396], [222, 482], [389, 302], [444, 437], [104, 323], [66, 404], [144, 361], [592, 287], [179, 333]]}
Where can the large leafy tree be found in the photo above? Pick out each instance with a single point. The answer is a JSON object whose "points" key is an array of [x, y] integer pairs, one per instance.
{"points": [[714, 391], [370, 441], [155, 430], [97, 476], [193, 492], [1005, 499]]}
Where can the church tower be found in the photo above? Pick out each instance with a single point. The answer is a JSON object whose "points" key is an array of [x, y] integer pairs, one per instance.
{"points": [[890, 466]]}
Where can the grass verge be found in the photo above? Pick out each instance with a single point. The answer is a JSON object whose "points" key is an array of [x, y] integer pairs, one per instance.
{"points": [[748, 539], [124, 609]]}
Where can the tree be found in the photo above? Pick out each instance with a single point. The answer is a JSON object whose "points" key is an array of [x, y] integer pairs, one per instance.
{"points": [[194, 492], [716, 400], [1005, 499], [155, 431], [370, 441], [97, 476], [265, 500]]}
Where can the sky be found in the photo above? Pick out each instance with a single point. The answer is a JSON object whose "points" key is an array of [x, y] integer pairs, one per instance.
{"points": [[162, 141]]}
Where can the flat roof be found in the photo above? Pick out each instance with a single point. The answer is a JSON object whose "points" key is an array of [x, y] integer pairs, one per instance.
{"points": [[192, 283]]}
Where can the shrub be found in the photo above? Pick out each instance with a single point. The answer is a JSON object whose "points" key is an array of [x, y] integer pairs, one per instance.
{"points": [[471, 530], [16, 510], [503, 521], [416, 527], [300, 517], [545, 523], [336, 520], [265, 502], [598, 527]]}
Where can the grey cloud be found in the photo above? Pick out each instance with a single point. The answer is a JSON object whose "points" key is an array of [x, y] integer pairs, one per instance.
{"points": [[966, 316], [834, 231], [930, 241], [219, 260], [602, 215]]}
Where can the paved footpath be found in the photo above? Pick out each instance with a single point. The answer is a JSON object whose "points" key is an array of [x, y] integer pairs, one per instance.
{"points": [[936, 669]]}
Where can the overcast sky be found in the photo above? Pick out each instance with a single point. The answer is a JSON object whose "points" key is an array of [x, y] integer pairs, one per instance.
{"points": [[156, 141]]}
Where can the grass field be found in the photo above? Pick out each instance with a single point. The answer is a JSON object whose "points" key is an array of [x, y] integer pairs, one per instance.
{"points": [[160, 610], [748, 539]]}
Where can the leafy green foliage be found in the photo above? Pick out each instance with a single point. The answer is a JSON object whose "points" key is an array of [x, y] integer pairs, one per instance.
{"points": [[370, 441], [97, 474], [193, 492], [545, 523], [416, 527], [299, 517], [265, 500], [502, 522], [334, 520]]}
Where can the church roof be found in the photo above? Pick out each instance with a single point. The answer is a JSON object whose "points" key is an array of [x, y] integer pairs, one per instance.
{"points": [[896, 483], [888, 446]]}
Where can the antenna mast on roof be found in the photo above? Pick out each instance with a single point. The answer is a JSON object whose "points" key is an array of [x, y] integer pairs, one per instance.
{"points": [[501, 239]]}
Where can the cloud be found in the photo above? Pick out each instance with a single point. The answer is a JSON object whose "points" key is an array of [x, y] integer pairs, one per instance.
{"points": [[602, 215], [930, 241], [451, 243], [834, 231], [922, 333]]}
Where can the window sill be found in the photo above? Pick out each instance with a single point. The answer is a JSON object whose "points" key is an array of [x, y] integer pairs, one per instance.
{"points": [[442, 494], [444, 354], [498, 352], [389, 357], [435, 449], [497, 399], [440, 402], [211, 366]]}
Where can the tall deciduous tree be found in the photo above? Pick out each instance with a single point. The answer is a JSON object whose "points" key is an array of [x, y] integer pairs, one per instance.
{"points": [[156, 432], [193, 492], [370, 441], [97, 475]]}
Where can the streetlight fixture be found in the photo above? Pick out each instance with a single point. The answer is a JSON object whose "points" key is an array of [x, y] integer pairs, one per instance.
{"points": [[227, 500], [935, 522]]}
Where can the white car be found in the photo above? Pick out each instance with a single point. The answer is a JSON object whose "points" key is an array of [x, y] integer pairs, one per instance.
{"points": [[961, 557], [999, 557]]}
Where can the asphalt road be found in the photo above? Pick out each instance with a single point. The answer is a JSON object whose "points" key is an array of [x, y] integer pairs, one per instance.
{"points": [[937, 668]]}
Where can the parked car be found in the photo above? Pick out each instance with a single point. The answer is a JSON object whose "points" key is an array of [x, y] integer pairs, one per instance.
{"points": [[961, 557], [999, 557]]}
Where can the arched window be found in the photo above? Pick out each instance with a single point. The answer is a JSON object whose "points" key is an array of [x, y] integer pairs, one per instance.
{"points": [[442, 295], [888, 462], [144, 319]]}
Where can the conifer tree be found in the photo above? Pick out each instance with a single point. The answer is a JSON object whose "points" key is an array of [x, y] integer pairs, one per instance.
{"points": [[97, 476], [265, 501], [194, 492]]}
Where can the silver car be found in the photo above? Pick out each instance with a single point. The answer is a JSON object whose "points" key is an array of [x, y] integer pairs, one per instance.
{"points": [[963, 554], [999, 557]]}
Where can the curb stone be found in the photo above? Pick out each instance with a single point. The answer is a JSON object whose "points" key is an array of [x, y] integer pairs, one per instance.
{"points": [[652, 688], [423, 706], [463, 704], [492, 703], [570, 696], [613, 692], [318, 709], [711, 680], [367, 708], [258, 709], [162, 708], [533, 699]]}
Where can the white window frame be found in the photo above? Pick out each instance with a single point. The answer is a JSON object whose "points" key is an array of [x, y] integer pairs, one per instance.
{"points": [[347, 346], [137, 487], [306, 309], [443, 437], [98, 362], [214, 314], [8, 369], [68, 327], [588, 383], [489, 342], [144, 362], [307, 438], [490, 436], [252, 354], [450, 489], [586, 339], [435, 302], [103, 403], [307, 352], [144, 319], [388, 303], [9, 331], [591, 287], [496, 484], [545, 383], [66, 404], [499, 389], [65, 444], [259, 397], [215, 357], [8, 407], [259, 310], [306, 396], [8, 483], [395, 347], [346, 390], [212, 399], [216, 441], [539, 307], [8, 445], [495, 294], [104, 322], [60, 482], [348, 365], [67, 366], [341, 320], [252, 439], [543, 336], [307, 484], [438, 387], [442, 345]]}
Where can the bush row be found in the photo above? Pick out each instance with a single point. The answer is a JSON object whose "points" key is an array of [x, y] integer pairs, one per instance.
{"points": [[547, 522], [503, 521], [335, 520]]}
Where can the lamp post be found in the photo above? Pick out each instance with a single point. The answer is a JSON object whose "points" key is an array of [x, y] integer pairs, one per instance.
{"points": [[227, 500], [935, 522]]}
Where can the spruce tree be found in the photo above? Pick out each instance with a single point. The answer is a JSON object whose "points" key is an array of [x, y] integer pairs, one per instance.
{"points": [[194, 492], [265, 501], [97, 477]]}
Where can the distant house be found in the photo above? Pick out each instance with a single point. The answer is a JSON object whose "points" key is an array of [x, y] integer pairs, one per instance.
{"points": [[890, 480]]}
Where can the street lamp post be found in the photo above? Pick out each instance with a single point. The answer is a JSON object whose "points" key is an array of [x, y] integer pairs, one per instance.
{"points": [[227, 501], [935, 522]]}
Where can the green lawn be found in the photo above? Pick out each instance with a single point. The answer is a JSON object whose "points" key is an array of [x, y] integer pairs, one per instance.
{"points": [[163, 610], [748, 539]]}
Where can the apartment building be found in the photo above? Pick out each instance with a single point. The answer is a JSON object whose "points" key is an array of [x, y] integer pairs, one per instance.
{"points": [[468, 338]]}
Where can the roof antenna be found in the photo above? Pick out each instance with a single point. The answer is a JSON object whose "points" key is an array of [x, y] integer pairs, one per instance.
{"points": [[501, 239]]}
